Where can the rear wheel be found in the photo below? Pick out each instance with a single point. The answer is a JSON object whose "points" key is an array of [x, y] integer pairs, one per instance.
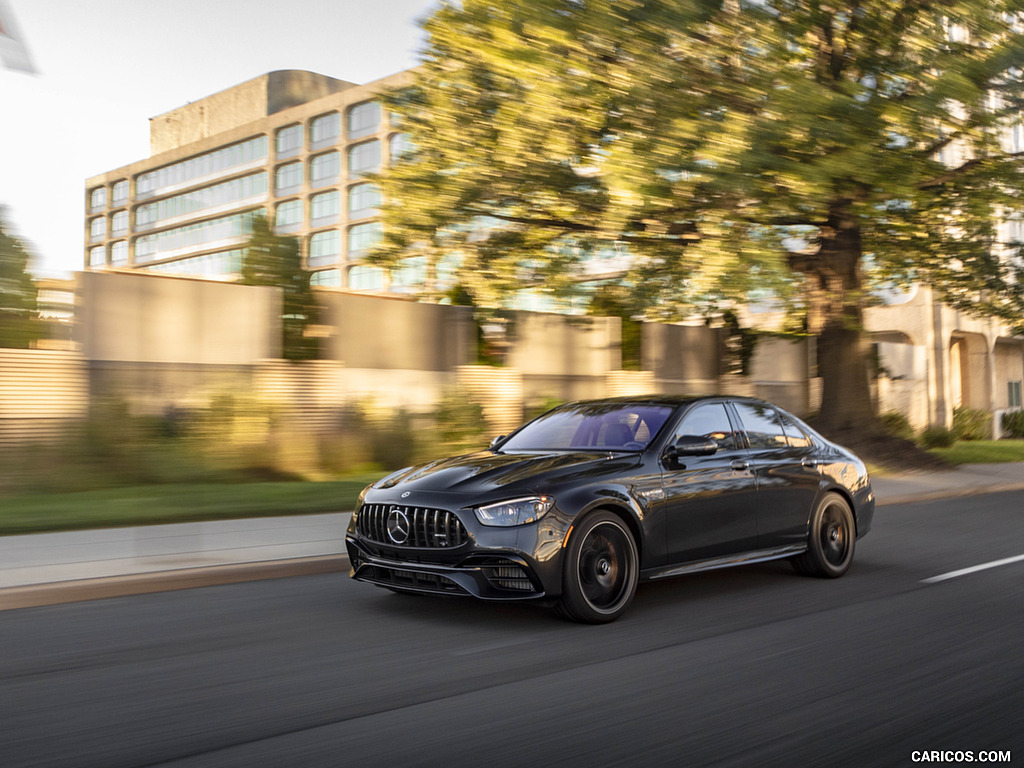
{"points": [[831, 539], [600, 572]]}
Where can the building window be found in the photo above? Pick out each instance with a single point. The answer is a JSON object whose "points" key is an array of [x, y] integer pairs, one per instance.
{"points": [[119, 222], [228, 192], [193, 237], [325, 130], [289, 141], [288, 214], [399, 145], [324, 169], [289, 177], [120, 192], [1014, 394], [119, 253], [98, 199], [219, 162], [410, 274], [225, 265], [364, 278], [362, 237], [98, 256], [363, 158], [98, 228], [326, 278], [363, 200], [324, 248], [325, 207], [363, 119]]}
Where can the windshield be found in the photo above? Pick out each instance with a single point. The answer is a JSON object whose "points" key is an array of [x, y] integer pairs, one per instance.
{"points": [[605, 426]]}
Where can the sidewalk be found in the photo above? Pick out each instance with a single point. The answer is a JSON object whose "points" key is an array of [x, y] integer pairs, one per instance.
{"points": [[49, 568]]}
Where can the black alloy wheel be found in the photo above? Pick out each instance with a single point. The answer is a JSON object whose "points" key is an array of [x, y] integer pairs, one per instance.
{"points": [[830, 542], [601, 570]]}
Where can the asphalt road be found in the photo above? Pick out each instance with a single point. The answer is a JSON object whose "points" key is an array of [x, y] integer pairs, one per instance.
{"points": [[748, 667]]}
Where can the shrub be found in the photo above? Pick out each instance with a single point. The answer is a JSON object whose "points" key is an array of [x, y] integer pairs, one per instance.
{"points": [[898, 425], [1013, 423], [972, 424], [937, 437]]}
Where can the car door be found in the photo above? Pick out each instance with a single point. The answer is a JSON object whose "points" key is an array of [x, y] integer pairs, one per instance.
{"points": [[787, 478], [710, 501]]}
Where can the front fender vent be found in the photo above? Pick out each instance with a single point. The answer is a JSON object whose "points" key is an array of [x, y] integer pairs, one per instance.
{"points": [[398, 525]]}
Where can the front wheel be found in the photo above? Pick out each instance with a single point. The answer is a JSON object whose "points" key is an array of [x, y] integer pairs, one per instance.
{"points": [[600, 570], [830, 541]]}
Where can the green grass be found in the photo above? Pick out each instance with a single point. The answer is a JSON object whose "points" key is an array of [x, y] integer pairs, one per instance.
{"points": [[175, 503], [982, 451]]}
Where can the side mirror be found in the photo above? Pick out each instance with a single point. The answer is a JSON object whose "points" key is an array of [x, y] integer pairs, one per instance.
{"points": [[691, 445], [497, 440]]}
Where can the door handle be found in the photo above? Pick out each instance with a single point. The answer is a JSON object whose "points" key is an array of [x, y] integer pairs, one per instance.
{"points": [[811, 463], [740, 464]]}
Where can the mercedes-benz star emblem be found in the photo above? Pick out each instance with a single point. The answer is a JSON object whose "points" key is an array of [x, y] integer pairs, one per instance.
{"points": [[398, 526]]}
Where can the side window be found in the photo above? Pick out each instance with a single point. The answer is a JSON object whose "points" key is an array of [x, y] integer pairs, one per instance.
{"points": [[764, 430], [710, 420], [796, 436]]}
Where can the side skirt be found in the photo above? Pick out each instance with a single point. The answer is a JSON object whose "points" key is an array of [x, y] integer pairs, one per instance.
{"points": [[714, 563]]}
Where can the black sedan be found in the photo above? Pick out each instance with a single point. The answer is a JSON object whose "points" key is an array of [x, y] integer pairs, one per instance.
{"points": [[576, 507]]}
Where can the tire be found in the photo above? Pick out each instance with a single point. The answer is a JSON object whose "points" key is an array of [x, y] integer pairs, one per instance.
{"points": [[830, 541], [600, 570]]}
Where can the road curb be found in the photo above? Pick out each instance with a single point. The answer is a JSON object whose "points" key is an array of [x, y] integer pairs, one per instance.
{"points": [[949, 493], [36, 595]]}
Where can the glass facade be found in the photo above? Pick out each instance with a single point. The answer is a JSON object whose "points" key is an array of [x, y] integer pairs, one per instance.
{"points": [[226, 265], [120, 192], [363, 200], [288, 178], [362, 237], [288, 214], [324, 169], [325, 130], [119, 253], [363, 158], [119, 223], [218, 162], [236, 190], [327, 278], [363, 119], [324, 248], [98, 199], [192, 237], [289, 141], [325, 207], [366, 278]]}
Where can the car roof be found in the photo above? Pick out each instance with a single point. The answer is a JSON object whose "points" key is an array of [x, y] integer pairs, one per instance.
{"points": [[670, 400]]}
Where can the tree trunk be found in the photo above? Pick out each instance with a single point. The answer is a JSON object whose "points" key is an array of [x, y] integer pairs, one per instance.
{"points": [[835, 313]]}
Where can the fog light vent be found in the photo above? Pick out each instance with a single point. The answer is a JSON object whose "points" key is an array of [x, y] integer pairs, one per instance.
{"points": [[509, 577]]}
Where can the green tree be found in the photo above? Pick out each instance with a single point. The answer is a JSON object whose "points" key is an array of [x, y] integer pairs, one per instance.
{"points": [[276, 261], [788, 149], [19, 325]]}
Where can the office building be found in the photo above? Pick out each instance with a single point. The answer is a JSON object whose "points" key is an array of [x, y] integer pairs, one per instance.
{"points": [[294, 146]]}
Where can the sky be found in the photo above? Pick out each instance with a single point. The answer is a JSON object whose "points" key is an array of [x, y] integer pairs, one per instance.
{"points": [[105, 67]]}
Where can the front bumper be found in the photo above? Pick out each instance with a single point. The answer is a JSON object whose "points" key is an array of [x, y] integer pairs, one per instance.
{"points": [[486, 577], [485, 562]]}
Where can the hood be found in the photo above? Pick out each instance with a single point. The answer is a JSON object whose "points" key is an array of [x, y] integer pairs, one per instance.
{"points": [[484, 472]]}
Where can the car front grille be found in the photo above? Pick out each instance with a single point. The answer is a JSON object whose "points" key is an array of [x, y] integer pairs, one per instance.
{"points": [[403, 526]]}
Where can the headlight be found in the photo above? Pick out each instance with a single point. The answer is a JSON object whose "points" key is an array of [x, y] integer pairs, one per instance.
{"points": [[515, 512]]}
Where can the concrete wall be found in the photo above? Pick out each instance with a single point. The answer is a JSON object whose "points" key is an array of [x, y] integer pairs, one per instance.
{"points": [[564, 357], [240, 104], [396, 334], [165, 320], [684, 359]]}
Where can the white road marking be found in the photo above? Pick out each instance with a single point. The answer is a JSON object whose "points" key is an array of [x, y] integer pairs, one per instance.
{"points": [[972, 569]]}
